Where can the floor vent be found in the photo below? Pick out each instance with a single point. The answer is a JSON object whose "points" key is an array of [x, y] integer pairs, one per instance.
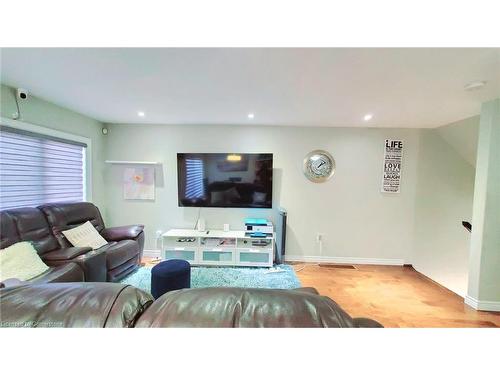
{"points": [[344, 266]]}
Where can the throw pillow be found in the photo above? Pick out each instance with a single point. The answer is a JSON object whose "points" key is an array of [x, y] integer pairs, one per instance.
{"points": [[85, 235], [21, 261]]}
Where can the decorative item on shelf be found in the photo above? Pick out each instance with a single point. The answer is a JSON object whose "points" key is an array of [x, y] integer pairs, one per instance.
{"points": [[319, 166]]}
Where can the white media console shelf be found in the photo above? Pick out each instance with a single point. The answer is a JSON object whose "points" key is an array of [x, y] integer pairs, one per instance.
{"points": [[217, 247]]}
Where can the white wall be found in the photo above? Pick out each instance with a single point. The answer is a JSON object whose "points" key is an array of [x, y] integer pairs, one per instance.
{"points": [[462, 136], [484, 282], [445, 189], [355, 218]]}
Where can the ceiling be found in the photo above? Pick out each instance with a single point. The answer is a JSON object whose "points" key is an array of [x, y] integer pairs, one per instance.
{"points": [[295, 87]]}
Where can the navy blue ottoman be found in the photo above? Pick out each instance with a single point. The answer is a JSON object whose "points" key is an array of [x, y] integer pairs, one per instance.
{"points": [[170, 275]]}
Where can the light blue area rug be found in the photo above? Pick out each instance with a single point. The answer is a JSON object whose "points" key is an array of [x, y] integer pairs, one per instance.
{"points": [[243, 277]]}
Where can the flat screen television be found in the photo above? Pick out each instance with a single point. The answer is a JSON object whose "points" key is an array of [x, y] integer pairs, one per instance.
{"points": [[225, 180]]}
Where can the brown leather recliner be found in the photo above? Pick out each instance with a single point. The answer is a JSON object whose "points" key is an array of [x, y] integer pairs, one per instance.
{"points": [[117, 305], [41, 238], [123, 253]]}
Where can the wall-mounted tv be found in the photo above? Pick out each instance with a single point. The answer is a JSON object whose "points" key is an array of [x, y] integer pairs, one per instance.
{"points": [[225, 180]]}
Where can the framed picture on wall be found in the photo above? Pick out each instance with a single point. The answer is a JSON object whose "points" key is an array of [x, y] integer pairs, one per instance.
{"points": [[139, 183]]}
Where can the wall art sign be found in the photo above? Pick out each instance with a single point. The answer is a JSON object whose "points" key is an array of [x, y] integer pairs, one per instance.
{"points": [[139, 183], [393, 156]]}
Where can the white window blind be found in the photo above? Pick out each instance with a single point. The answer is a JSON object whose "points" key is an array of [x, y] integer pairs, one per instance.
{"points": [[37, 169], [194, 179]]}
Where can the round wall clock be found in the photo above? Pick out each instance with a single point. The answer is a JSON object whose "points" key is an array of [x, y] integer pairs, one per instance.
{"points": [[319, 166]]}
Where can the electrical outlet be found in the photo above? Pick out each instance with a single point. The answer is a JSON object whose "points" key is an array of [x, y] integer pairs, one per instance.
{"points": [[319, 237]]}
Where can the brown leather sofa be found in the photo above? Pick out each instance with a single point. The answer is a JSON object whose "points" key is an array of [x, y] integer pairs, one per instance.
{"points": [[117, 305], [43, 226], [9, 235]]}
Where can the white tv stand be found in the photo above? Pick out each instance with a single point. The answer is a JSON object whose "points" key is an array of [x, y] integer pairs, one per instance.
{"points": [[217, 247]]}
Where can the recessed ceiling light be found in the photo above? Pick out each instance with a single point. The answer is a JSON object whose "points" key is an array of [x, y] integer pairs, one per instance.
{"points": [[141, 114], [367, 117], [475, 85], [250, 115]]}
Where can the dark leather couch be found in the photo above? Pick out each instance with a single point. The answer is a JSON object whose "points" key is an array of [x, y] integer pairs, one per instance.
{"points": [[9, 235], [43, 226], [117, 305]]}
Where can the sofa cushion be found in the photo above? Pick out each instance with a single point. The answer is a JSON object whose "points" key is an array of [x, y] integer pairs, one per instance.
{"points": [[64, 216], [21, 261], [85, 235], [31, 225], [120, 252]]}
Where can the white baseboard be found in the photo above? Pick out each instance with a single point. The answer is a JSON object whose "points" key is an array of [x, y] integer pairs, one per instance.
{"points": [[482, 305], [151, 253], [319, 259], [344, 260]]}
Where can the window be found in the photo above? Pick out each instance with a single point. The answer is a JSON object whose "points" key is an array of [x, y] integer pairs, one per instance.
{"points": [[37, 169], [194, 179]]}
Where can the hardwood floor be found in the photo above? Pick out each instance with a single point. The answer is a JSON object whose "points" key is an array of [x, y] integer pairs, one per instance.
{"points": [[393, 295]]}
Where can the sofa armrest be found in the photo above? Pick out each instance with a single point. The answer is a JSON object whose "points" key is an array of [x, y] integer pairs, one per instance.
{"points": [[127, 232], [66, 254], [366, 323], [93, 264]]}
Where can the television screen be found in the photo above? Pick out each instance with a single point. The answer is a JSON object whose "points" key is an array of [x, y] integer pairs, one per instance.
{"points": [[225, 180]]}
